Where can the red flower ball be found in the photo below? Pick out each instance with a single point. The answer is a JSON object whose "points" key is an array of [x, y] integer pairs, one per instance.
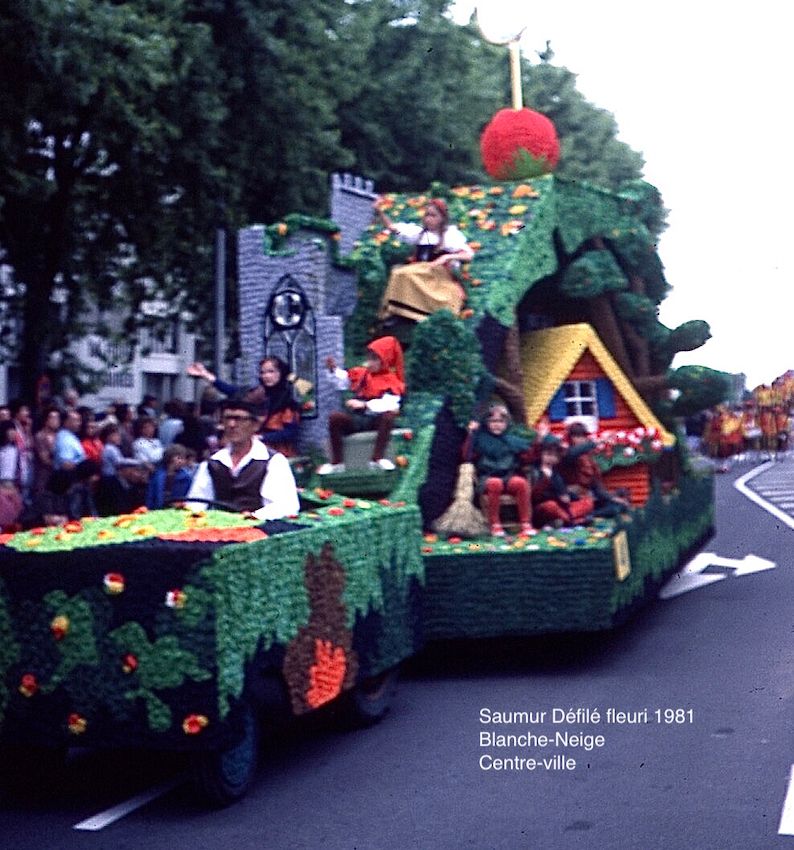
{"points": [[519, 144], [29, 685]]}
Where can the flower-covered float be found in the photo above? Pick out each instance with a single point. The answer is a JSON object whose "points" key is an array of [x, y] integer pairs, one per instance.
{"points": [[160, 628]]}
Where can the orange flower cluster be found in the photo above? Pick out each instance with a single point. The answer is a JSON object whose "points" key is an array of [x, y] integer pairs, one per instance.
{"points": [[327, 674], [215, 535]]}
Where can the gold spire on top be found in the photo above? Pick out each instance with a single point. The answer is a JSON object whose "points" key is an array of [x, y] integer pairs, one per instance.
{"points": [[497, 31]]}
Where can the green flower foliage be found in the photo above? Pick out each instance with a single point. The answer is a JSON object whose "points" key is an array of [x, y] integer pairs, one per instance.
{"points": [[667, 342], [514, 228], [261, 598], [372, 272], [700, 388], [584, 211], [638, 310], [647, 204], [162, 664], [637, 252], [690, 335], [660, 533], [276, 235], [419, 414], [592, 274], [79, 645], [444, 359]]}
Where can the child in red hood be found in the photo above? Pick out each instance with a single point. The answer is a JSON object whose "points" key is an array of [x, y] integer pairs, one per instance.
{"points": [[378, 388]]}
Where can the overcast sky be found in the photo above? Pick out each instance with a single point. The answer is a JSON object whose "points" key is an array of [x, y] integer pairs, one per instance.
{"points": [[703, 91]]}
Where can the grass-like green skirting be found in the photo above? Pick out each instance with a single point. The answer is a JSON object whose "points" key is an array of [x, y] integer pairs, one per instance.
{"points": [[490, 591]]}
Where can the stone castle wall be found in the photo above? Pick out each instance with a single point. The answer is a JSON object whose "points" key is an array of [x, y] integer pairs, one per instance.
{"points": [[331, 291]]}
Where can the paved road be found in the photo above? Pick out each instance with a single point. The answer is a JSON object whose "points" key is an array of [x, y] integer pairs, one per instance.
{"points": [[722, 656], [771, 485]]}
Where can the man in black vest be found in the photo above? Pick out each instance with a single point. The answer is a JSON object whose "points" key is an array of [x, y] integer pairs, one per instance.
{"points": [[245, 473]]}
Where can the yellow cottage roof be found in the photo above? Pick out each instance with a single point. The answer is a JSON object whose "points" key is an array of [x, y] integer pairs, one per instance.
{"points": [[548, 357]]}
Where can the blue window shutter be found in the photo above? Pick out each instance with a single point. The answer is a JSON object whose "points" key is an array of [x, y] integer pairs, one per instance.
{"points": [[557, 407], [605, 395]]}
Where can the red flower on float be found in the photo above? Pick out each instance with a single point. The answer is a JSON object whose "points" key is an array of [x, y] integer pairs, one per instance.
{"points": [[59, 626], [194, 723], [77, 723], [114, 583], [28, 685], [518, 144], [176, 598], [129, 663]]}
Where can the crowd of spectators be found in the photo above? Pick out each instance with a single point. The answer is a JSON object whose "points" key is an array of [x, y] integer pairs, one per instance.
{"points": [[69, 460]]}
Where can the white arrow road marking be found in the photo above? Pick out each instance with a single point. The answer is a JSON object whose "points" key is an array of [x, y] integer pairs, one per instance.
{"points": [[787, 815], [754, 564], [690, 577], [110, 816]]}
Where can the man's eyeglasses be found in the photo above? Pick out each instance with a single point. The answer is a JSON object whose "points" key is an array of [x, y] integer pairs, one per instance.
{"points": [[235, 417]]}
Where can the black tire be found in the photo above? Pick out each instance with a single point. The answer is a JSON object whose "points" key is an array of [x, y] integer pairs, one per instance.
{"points": [[31, 771], [369, 701], [222, 777]]}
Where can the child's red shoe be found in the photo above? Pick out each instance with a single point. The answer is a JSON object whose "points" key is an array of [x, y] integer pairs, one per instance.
{"points": [[497, 530]]}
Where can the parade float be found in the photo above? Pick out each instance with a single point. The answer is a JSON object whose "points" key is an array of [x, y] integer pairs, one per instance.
{"points": [[161, 629]]}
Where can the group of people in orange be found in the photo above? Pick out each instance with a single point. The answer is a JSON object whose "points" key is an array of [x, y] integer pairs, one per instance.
{"points": [[761, 425]]}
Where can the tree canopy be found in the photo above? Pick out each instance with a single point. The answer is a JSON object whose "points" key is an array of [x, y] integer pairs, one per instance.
{"points": [[129, 129]]}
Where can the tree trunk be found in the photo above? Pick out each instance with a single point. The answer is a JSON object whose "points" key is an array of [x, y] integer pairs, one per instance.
{"points": [[640, 350], [605, 322], [512, 356], [649, 386]]}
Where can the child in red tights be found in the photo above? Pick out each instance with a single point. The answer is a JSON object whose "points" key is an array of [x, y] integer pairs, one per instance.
{"points": [[498, 458], [551, 502]]}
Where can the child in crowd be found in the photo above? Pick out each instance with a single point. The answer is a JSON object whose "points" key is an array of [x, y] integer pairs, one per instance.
{"points": [[378, 388], [583, 476], [171, 479], [498, 457], [146, 447], [111, 437], [10, 497], [551, 502]]}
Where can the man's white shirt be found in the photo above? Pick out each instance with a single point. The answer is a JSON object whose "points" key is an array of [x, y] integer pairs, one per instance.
{"points": [[278, 491]]}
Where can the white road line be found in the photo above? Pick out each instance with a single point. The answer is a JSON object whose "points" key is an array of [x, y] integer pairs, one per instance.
{"points": [[111, 815], [787, 815], [741, 485]]}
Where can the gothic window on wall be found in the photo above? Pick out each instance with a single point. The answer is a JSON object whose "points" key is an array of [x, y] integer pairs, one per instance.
{"points": [[290, 335]]}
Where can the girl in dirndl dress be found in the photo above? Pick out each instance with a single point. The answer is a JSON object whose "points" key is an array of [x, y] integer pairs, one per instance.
{"points": [[426, 283]]}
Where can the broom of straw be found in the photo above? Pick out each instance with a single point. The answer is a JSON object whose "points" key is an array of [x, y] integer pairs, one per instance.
{"points": [[462, 518]]}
